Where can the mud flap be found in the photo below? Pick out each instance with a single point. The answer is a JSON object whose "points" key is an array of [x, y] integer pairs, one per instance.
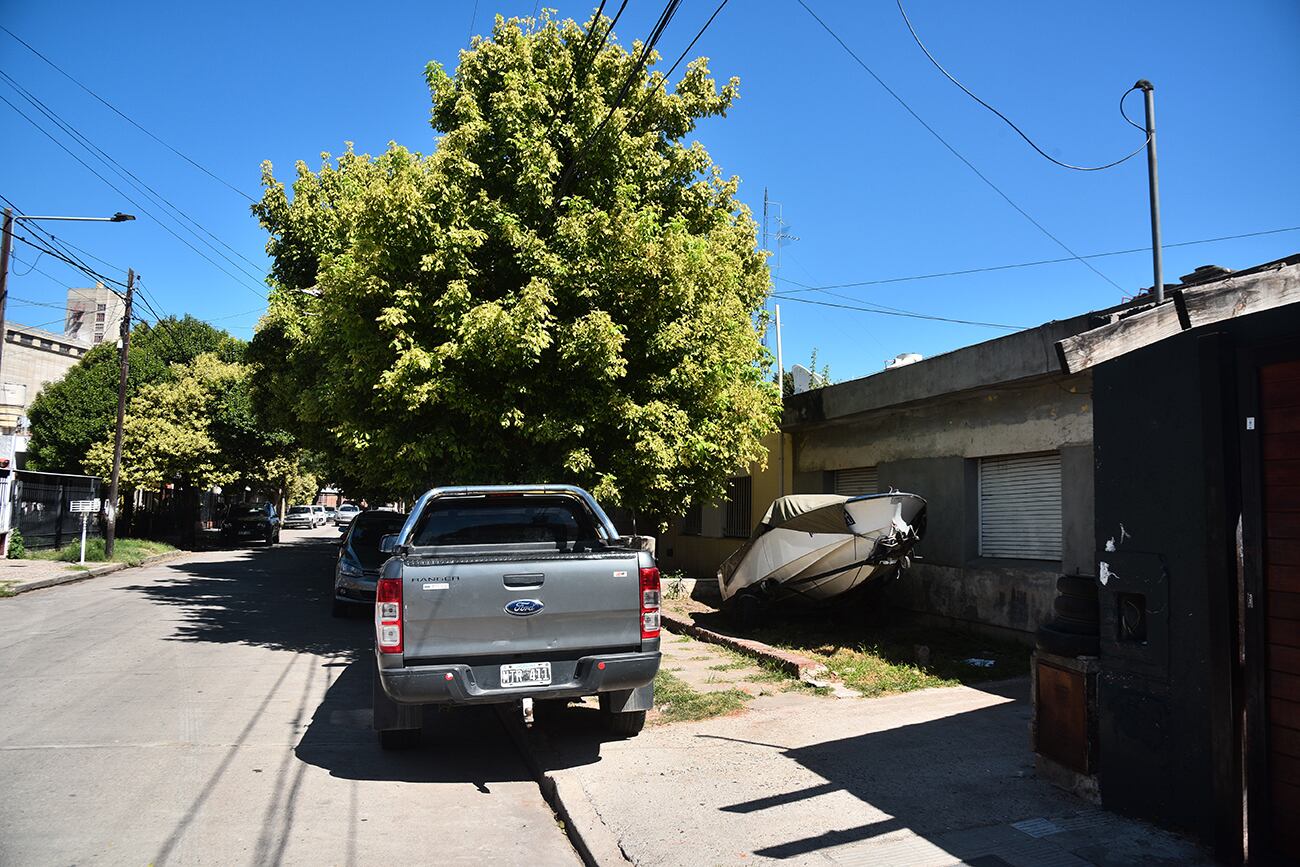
{"points": [[388, 714], [628, 700]]}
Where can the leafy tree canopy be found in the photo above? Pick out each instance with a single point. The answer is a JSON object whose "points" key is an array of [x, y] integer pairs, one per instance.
{"points": [[197, 426], [70, 415], [556, 293]]}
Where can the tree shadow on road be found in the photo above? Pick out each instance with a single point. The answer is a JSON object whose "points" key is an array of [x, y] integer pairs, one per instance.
{"points": [[277, 597]]}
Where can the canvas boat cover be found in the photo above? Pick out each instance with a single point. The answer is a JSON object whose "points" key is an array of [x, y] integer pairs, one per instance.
{"points": [[808, 513]]}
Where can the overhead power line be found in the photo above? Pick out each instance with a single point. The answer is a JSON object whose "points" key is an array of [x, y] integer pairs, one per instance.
{"points": [[804, 287], [176, 213], [127, 118], [891, 312], [682, 56], [1008, 121], [126, 196], [880, 81]]}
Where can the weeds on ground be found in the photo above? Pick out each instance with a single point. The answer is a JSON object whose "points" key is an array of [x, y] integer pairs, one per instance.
{"points": [[676, 701], [875, 658], [132, 552], [5, 589]]}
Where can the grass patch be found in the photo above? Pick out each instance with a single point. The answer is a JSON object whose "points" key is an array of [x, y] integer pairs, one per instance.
{"points": [[734, 665], [869, 656], [676, 701], [132, 552], [885, 659], [5, 589]]}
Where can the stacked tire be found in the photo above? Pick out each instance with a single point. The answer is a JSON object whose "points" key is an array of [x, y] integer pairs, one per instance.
{"points": [[1076, 628]]}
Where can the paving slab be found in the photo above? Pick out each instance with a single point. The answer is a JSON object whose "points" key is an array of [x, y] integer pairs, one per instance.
{"points": [[934, 777]]}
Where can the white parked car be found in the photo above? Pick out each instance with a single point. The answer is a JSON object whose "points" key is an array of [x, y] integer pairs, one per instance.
{"points": [[345, 513], [299, 518], [318, 513]]}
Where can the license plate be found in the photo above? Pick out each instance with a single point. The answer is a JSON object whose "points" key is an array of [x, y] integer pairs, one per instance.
{"points": [[526, 674]]}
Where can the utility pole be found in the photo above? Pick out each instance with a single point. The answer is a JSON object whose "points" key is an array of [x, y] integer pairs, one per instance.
{"points": [[780, 394], [4, 277], [1148, 92], [110, 508]]}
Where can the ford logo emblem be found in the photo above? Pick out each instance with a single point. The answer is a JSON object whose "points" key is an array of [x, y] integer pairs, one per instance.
{"points": [[524, 607]]}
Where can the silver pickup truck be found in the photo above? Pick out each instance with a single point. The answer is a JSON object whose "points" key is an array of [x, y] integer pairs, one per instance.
{"points": [[499, 593]]}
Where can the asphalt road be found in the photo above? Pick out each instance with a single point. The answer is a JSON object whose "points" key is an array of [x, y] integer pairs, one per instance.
{"points": [[210, 710]]}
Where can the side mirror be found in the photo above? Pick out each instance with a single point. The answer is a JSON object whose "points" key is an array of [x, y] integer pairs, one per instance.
{"points": [[388, 544]]}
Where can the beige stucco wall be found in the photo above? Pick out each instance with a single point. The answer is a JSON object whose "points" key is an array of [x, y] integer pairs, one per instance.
{"points": [[699, 556], [32, 358]]}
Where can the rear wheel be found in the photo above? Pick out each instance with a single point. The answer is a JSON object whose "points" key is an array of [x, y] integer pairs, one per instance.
{"points": [[628, 724], [399, 739]]}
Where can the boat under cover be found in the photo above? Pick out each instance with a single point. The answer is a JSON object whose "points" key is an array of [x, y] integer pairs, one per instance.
{"points": [[818, 546]]}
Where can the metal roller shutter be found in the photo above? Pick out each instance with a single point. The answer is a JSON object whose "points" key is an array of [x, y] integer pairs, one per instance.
{"points": [[1020, 507], [859, 480]]}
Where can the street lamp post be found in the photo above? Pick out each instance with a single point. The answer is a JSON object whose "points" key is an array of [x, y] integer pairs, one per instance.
{"points": [[5, 246]]}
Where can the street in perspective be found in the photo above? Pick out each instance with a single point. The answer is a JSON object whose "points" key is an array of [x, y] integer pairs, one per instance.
{"points": [[502, 526]]}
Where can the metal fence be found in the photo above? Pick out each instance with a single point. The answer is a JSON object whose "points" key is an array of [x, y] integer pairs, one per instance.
{"points": [[42, 507]]}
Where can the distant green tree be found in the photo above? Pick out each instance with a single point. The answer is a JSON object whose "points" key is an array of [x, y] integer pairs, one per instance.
{"points": [[69, 416], [565, 290]]}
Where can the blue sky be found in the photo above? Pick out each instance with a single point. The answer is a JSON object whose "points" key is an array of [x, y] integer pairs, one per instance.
{"points": [[867, 191]]}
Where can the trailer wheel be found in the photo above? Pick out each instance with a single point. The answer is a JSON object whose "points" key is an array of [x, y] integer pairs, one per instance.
{"points": [[750, 610]]}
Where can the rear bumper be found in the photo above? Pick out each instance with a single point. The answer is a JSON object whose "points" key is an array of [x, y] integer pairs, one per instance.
{"points": [[430, 684]]}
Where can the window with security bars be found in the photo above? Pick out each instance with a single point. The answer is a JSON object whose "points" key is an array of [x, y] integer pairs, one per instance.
{"points": [[740, 499], [855, 481], [693, 521], [1020, 507]]}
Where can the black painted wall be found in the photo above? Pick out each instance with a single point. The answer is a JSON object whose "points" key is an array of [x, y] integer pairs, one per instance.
{"points": [[1167, 489]]}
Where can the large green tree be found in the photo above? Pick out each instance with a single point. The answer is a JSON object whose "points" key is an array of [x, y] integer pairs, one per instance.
{"points": [[566, 289], [72, 414]]}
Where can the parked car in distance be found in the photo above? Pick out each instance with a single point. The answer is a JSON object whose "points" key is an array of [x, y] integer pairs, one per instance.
{"points": [[251, 522], [498, 593], [359, 561], [318, 512], [299, 518], [345, 513], [329, 514]]}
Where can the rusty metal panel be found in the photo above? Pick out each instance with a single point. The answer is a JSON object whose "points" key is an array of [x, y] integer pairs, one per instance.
{"points": [[1062, 714]]}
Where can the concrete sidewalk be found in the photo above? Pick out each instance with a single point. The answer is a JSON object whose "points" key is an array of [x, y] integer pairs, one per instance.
{"points": [[21, 576], [935, 777]]}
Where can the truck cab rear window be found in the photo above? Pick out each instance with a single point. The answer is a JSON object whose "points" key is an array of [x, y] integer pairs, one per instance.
{"points": [[504, 520]]}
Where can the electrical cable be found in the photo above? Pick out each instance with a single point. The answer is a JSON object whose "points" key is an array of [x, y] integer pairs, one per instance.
{"points": [[131, 178], [125, 117], [66, 254], [665, 17], [886, 312], [1008, 121], [804, 287], [682, 56], [118, 190], [1039, 226]]}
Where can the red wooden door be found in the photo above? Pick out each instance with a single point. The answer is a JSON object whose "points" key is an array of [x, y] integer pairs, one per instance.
{"points": [[1279, 386]]}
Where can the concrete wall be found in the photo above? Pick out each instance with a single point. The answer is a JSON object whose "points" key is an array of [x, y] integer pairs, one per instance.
{"points": [[933, 448], [33, 358]]}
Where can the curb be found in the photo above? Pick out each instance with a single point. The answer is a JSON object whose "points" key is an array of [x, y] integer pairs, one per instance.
{"points": [[801, 667], [106, 569], [590, 837]]}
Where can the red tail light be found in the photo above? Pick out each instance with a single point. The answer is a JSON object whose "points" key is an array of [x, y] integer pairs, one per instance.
{"points": [[650, 603], [388, 615]]}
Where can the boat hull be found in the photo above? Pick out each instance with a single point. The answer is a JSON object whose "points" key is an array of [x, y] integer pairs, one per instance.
{"points": [[879, 531]]}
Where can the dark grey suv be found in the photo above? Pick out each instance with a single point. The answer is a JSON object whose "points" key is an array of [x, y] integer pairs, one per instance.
{"points": [[251, 522], [359, 560]]}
